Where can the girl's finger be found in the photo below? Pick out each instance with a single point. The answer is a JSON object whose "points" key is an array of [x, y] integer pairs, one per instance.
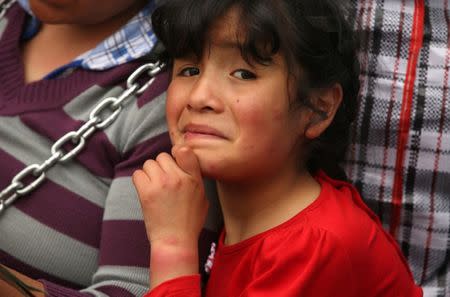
{"points": [[167, 163], [152, 169], [187, 160], [141, 181]]}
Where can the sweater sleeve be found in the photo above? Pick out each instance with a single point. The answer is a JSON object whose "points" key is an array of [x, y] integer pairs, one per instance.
{"points": [[124, 254], [123, 258], [185, 286], [82, 232]]}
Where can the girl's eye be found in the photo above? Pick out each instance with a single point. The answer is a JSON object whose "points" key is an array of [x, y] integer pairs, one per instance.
{"points": [[189, 71], [243, 74]]}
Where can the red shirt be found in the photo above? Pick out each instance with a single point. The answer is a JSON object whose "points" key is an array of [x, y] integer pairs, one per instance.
{"points": [[335, 247]]}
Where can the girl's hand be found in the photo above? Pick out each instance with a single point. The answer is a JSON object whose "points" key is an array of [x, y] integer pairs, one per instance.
{"points": [[174, 206]]}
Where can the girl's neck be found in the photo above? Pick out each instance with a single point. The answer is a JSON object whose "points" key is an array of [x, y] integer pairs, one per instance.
{"points": [[254, 207]]}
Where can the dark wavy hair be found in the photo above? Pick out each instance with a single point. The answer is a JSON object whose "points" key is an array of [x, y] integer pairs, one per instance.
{"points": [[314, 36]]}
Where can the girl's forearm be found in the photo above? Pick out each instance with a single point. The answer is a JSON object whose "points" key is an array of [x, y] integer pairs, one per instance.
{"points": [[169, 261]]}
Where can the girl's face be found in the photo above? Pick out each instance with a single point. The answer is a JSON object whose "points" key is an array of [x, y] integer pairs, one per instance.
{"points": [[234, 116]]}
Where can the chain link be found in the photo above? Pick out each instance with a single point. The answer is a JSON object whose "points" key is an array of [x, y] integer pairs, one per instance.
{"points": [[4, 5], [101, 116]]}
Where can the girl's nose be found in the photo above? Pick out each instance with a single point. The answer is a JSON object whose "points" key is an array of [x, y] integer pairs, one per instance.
{"points": [[205, 95]]}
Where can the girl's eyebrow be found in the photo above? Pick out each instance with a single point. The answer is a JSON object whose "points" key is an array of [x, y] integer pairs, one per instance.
{"points": [[226, 43]]}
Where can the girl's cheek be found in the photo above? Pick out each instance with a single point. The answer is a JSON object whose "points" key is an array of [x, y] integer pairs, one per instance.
{"points": [[173, 105], [254, 115], [170, 117], [246, 112], [176, 97]]}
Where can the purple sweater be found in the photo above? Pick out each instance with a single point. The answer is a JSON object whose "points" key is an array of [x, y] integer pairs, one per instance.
{"points": [[81, 233]]}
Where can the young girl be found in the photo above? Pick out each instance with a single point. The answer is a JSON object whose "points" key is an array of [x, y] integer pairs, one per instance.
{"points": [[261, 99]]}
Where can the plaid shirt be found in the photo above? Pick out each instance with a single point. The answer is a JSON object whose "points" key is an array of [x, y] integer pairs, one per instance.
{"points": [[400, 152], [133, 41]]}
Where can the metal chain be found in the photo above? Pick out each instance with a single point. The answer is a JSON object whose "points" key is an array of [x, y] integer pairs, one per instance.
{"points": [[101, 116], [4, 5]]}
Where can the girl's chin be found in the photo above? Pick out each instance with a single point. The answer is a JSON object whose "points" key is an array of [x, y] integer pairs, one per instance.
{"points": [[221, 175]]}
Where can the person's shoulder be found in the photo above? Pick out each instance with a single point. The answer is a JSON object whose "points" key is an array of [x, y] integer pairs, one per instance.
{"points": [[348, 225], [337, 217], [140, 124], [300, 236], [140, 78], [309, 257], [343, 214], [337, 222], [324, 259], [157, 85]]}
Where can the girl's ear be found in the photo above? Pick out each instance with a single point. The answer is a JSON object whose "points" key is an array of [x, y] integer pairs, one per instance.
{"points": [[326, 103]]}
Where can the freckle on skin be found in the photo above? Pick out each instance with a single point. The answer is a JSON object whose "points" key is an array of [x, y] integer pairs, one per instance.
{"points": [[237, 100]]}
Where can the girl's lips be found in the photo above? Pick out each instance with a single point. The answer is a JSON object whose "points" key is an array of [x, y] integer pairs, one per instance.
{"points": [[201, 130]]}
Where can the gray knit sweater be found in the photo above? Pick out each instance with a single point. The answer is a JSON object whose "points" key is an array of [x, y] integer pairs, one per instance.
{"points": [[81, 233]]}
